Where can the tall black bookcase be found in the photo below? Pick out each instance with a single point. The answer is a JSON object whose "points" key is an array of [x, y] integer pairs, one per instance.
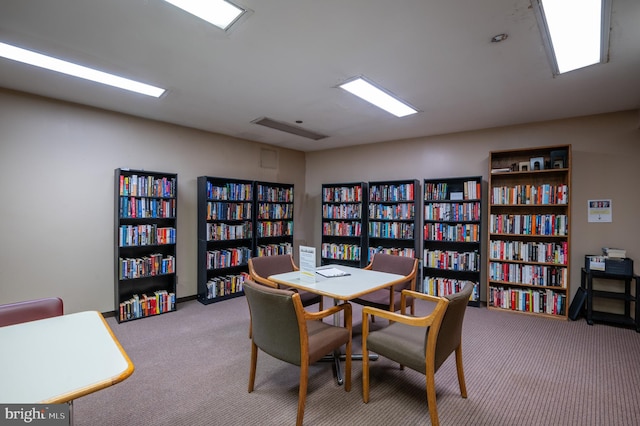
{"points": [[225, 237], [273, 218], [452, 237], [394, 217], [344, 224], [145, 243]]}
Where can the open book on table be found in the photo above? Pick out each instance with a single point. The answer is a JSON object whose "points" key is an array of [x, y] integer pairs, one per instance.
{"points": [[332, 272]]}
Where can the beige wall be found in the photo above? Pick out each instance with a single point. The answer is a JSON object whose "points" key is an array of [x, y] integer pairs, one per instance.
{"points": [[57, 162], [57, 165], [606, 151]]}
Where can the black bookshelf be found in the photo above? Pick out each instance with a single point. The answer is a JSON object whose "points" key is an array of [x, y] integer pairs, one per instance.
{"points": [[344, 224], [273, 218], [145, 243], [225, 237], [452, 237], [393, 217]]}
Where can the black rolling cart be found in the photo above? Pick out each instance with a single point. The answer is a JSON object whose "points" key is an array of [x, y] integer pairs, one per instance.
{"points": [[626, 297]]}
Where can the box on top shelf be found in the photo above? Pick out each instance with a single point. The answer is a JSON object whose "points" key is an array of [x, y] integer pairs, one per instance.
{"points": [[614, 266]]}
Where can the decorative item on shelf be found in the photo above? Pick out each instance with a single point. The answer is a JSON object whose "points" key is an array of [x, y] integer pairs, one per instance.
{"points": [[558, 159], [500, 170], [523, 166], [537, 163]]}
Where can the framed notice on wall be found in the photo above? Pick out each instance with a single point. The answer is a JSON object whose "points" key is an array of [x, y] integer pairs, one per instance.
{"points": [[599, 210]]}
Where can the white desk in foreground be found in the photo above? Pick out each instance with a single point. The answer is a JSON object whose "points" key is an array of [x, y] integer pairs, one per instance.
{"points": [[59, 359]]}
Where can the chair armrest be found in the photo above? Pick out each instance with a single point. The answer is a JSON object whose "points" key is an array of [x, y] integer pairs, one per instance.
{"points": [[416, 295], [441, 306], [263, 281], [328, 312]]}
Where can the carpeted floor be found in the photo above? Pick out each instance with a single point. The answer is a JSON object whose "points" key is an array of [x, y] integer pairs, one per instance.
{"points": [[192, 369]]}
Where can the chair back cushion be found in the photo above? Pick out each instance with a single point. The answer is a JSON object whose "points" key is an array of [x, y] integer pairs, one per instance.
{"points": [[450, 335], [393, 264], [264, 266], [274, 321], [30, 310]]}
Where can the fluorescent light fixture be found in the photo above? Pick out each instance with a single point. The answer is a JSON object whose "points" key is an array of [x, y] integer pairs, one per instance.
{"points": [[43, 61], [575, 32], [220, 13], [381, 98]]}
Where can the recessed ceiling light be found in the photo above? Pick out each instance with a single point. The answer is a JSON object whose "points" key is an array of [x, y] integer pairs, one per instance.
{"points": [[223, 14], [575, 32], [43, 61], [499, 37], [377, 96]]}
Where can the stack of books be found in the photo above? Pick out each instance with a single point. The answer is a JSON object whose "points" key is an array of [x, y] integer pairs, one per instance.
{"points": [[614, 252]]}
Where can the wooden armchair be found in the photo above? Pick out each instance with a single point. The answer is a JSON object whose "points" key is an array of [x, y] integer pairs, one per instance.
{"points": [[260, 268], [284, 330], [420, 343], [30, 310], [389, 298]]}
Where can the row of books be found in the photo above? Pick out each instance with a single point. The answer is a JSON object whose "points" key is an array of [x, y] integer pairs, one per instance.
{"points": [[539, 275], [438, 286], [529, 224], [396, 251], [228, 211], [274, 249], [341, 251], [452, 211], [400, 211], [145, 235], [452, 260], [434, 191], [224, 231], [530, 194], [225, 285], [274, 229], [137, 306], [460, 232], [133, 207], [274, 194], [229, 191], [227, 258], [392, 192], [530, 251], [147, 186], [343, 194], [275, 211], [146, 266], [528, 300], [342, 229], [342, 211], [395, 230]]}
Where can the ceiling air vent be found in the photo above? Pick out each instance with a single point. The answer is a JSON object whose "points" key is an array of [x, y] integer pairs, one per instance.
{"points": [[289, 128]]}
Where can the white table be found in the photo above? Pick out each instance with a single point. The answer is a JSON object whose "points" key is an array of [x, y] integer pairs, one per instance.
{"points": [[357, 283], [59, 359]]}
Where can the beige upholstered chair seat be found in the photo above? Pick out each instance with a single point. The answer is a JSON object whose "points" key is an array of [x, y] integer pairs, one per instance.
{"points": [[284, 330], [389, 298], [420, 343]]}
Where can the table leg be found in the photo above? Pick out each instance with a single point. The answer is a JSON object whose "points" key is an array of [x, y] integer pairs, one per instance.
{"points": [[338, 356]]}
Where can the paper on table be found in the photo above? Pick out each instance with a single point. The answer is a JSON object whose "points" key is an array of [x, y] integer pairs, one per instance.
{"points": [[332, 272]]}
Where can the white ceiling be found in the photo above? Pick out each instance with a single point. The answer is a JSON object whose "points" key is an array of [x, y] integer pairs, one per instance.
{"points": [[285, 60]]}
